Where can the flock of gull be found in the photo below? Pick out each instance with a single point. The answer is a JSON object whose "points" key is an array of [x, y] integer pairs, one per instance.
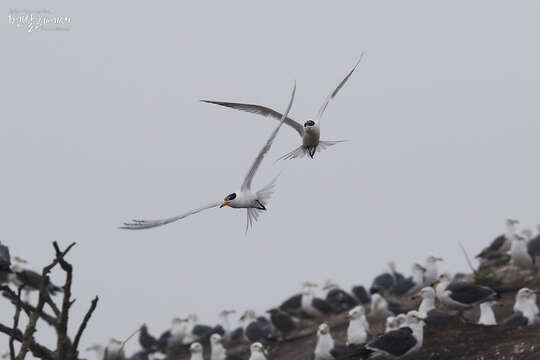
{"points": [[443, 299]]}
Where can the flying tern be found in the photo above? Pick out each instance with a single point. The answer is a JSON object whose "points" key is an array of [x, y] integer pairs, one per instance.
{"points": [[254, 202], [310, 132]]}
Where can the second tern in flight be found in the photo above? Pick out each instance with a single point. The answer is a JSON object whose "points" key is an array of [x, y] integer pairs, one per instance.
{"points": [[254, 202], [310, 132]]}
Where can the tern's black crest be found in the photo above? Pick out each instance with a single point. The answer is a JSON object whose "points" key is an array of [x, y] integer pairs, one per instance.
{"points": [[230, 197], [309, 123]]}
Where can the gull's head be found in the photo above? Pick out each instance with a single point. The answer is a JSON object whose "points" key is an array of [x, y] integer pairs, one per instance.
{"points": [[390, 322], [256, 347], [425, 293], [215, 339], [309, 124], [309, 284], [330, 284], [192, 318], [413, 317], [229, 199], [401, 319], [527, 234], [526, 293], [512, 221], [95, 347], [356, 312], [248, 315], [114, 341], [418, 268], [444, 278], [177, 321], [323, 329], [376, 299], [196, 348], [433, 259], [227, 312]]}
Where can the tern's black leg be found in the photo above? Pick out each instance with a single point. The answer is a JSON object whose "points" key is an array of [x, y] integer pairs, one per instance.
{"points": [[312, 151], [262, 206]]}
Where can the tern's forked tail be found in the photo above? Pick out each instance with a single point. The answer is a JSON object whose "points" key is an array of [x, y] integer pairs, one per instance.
{"points": [[263, 196], [302, 150]]}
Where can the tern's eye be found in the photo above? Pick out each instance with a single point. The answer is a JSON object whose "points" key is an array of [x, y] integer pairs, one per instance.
{"points": [[230, 197], [309, 123]]}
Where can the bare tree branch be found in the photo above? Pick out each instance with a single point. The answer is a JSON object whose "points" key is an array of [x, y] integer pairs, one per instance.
{"points": [[63, 340], [28, 336], [15, 323], [37, 350], [27, 308], [117, 354], [82, 327]]}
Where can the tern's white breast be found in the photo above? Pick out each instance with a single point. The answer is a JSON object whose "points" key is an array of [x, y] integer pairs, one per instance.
{"points": [[311, 137]]}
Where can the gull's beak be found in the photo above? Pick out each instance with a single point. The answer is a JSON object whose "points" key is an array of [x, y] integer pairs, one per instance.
{"points": [[225, 203], [536, 291], [220, 340], [435, 282], [189, 349], [262, 347], [415, 296], [498, 303], [421, 318], [308, 128], [349, 316]]}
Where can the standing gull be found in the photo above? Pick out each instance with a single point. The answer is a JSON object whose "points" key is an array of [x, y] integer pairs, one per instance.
{"points": [[326, 347], [431, 272], [461, 295], [502, 243], [523, 310], [309, 132], [196, 351], [520, 255], [399, 343], [412, 284], [386, 281], [282, 322], [257, 351], [428, 311], [5, 259], [254, 203], [358, 329], [256, 328], [339, 299], [218, 352], [487, 316]]}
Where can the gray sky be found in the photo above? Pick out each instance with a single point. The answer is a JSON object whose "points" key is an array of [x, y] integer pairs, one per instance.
{"points": [[102, 124]]}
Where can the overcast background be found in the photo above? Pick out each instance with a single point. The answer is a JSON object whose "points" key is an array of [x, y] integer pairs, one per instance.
{"points": [[102, 124]]}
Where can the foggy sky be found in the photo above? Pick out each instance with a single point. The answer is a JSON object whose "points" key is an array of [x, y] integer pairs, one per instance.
{"points": [[102, 124]]}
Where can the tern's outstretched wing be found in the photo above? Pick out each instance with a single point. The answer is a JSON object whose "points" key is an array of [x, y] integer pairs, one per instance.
{"points": [[260, 110], [147, 224], [334, 93], [247, 181]]}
